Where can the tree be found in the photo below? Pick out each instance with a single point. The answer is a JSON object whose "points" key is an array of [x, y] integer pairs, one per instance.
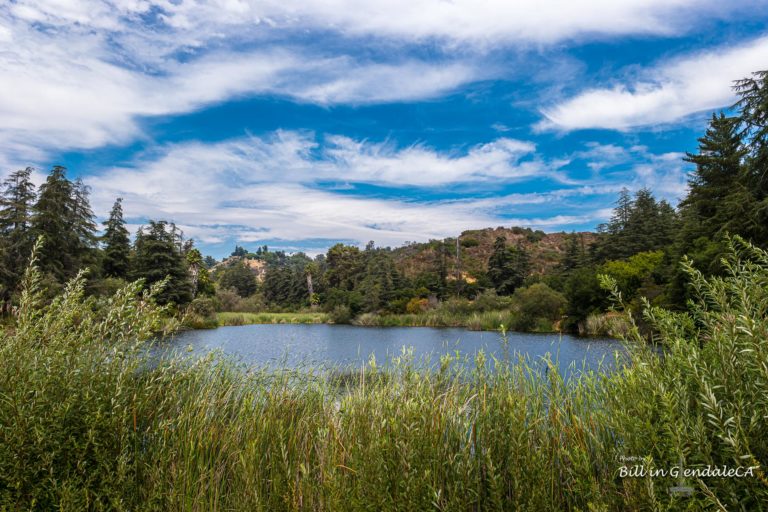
{"points": [[584, 294], [753, 113], [199, 277], [717, 176], [287, 284], [239, 251], [117, 243], [638, 224], [16, 204], [239, 277], [507, 267], [381, 280], [157, 256], [537, 301], [344, 267], [441, 271], [63, 217], [574, 252]]}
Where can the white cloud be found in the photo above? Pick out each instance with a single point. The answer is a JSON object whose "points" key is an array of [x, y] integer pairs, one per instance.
{"points": [[422, 166], [478, 21], [665, 93], [64, 94], [80, 74], [252, 188]]}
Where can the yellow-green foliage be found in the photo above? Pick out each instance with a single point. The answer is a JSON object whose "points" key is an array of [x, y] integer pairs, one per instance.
{"points": [[632, 273], [88, 422], [271, 318]]}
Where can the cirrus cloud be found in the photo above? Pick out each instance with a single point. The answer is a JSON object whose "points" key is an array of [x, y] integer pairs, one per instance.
{"points": [[665, 93]]}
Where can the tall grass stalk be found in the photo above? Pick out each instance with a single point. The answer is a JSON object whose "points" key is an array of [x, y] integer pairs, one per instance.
{"points": [[88, 422]]}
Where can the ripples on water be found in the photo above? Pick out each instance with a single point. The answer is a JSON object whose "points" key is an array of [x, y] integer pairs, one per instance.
{"points": [[300, 345]]}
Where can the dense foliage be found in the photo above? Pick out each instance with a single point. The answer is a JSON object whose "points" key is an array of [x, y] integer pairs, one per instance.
{"points": [[88, 422], [640, 246]]}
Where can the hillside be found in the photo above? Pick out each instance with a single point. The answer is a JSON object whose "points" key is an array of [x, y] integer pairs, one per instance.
{"points": [[545, 249]]}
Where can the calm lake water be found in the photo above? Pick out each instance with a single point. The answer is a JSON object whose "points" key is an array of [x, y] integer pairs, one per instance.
{"points": [[294, 345]]}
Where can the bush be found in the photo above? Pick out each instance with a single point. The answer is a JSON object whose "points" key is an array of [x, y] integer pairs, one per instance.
{"points": [[340, 315], [201, 314], [417, 305], [490, 301], [537, 302]]}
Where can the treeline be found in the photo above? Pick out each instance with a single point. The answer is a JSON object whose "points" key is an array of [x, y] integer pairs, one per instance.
{"points": [[640, 247], [59, 212]]}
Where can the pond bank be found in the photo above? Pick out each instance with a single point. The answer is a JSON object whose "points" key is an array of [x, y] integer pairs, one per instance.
{"points": [[485, 321]]}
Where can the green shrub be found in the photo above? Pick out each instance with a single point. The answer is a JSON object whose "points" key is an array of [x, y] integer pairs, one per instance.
{"points": [[88, 422], [537, 306], [340, 315]]}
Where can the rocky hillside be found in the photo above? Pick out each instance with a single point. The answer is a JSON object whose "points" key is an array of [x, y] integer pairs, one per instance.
{"points": [[475, 247]]}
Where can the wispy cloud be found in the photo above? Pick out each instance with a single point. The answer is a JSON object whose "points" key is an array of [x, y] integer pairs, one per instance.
{"points": [[258, 188], [538, 21], [665, 93], [65, 94]]}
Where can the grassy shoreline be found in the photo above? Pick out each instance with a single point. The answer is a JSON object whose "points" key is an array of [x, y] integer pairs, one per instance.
{"points": [[235, 318], [485, 321], [87, 424]]}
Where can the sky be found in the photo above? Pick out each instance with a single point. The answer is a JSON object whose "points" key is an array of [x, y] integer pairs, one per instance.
{"points": [[302, 123]]}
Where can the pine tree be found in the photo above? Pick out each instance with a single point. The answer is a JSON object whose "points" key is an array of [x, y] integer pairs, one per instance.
{"points": [[117, 243], [641, 227], [750, 200], [16, 240], [719, 174], [157, 256], [574, 255], [753, 113], [53, 214], [507, 267]]}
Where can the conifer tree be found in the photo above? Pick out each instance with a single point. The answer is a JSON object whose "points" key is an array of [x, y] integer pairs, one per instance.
{"points": [[507, 267], [16, 202], [157, 256], [63, 217], [117, 243], [717, 177]]}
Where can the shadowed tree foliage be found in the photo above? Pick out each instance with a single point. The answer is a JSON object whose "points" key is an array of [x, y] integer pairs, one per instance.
{"points": [[507, 266], [117, 244], [239, 277], [16, 202], [157, 257], [63, 217]]}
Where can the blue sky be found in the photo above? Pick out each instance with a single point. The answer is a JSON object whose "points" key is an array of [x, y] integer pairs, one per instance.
{"points": [[302, 123]]}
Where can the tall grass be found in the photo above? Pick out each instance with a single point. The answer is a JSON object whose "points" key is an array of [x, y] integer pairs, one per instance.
{"points": [[229, 318], [86, 422], [475, 321]]}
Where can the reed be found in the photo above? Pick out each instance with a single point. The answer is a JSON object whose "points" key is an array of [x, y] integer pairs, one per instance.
{"points": [[228, 318], [89, 422]]}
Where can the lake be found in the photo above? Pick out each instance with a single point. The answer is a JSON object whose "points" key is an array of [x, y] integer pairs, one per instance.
{"points": [[294, 345]]}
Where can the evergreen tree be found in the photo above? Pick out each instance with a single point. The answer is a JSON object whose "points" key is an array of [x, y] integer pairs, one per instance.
{"points": [[117, 243], [16, 204], [708, 208], [507, 267], [63, 217], [345, 266], [753, 107], [381, 280], [441, 271], [239, 277], [157, 256], [575, 252]]}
